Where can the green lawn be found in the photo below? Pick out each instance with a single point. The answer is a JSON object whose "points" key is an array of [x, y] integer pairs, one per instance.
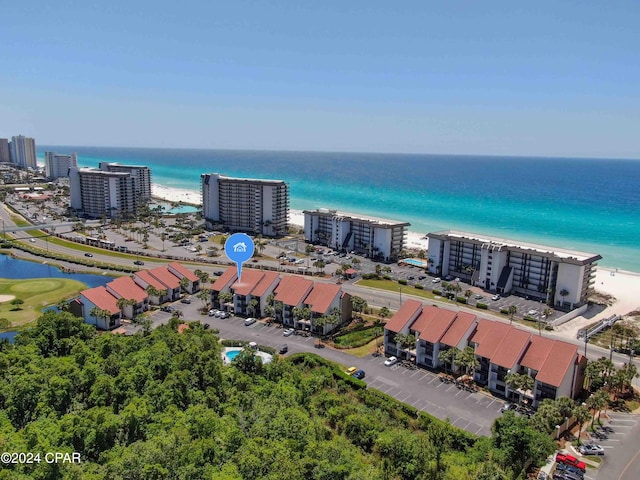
{"points": [[36, 293], [357, 338], [392, 286]]}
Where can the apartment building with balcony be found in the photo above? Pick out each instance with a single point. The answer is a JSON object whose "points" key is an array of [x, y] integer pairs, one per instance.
{"points": [[251, 291], [289, 294], [95, 193], [556, 367], [93, 303], [558, 276], [57, 165], [141, 178], [247, 205], [374, 237], [126, 288]]}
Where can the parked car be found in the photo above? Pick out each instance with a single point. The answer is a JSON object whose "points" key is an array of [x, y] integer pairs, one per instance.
{"points": [[288, 332], [390, 361], [508, 406], [185, 300], [591, 449], [495, 297], [478, 296], [359, 374], [563, 468], [411, 277], [138, 262], [212, 312], [249, 321], [32, 240], [283, 349], [435, 280], [88, 254], [225, 314], [351, 370], [421, 277], [206, 326], [217, 273], [571, 460]]}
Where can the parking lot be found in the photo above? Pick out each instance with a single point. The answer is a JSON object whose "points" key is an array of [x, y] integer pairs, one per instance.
{"points": [[471, 411]]}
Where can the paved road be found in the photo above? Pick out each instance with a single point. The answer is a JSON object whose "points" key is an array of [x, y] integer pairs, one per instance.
{"points": [[622, 456], [473, 412]]}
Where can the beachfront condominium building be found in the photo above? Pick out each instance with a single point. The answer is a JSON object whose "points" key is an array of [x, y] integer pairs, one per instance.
{"points": [[96, 193], [557, 276], [23, 151], [141, 178], [57, 165], [246, 204], [377, 238], [5, 157]]}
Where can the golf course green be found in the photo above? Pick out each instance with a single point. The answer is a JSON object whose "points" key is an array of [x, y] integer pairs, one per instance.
{"points": [[35, 294]]}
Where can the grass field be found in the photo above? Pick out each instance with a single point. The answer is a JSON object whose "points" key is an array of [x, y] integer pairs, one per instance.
{"points": [[357, 338], [392, 286], [36, 293]]}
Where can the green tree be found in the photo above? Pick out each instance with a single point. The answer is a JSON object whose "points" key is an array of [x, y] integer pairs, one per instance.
{"points": [[512, 312], [448, 357], [224, 298], [582, 415], [358, 304], [384, 312], [253, 306], [17, 302], [406, 341], [563, 293], [467, 359]]}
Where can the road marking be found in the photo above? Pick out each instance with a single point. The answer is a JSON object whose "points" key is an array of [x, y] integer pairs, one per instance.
{"points": [[479, 430], [450, 387], [414, 373], [405, 399]]}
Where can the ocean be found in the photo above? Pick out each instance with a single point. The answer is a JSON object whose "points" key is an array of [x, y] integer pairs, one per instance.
{"points": [[591, 205]]}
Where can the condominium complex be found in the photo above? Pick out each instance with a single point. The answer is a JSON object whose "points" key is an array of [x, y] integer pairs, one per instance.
{"points": [[559, 276], [4, 150], [556, 367], [377, 238], [96, 193], [57, 165], [22, 151], [141, 177], [245, 204]]}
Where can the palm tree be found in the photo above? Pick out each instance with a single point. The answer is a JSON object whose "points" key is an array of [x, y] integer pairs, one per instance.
{"points": [[224, 298], [405, 341], [319, 264], [467, 359], [596, 402], [384, 312], [467, 293], [547, 312], [521, 382], [253, 306], [163, 237], [204, 295], [512, 311], [581, 415], [563, 293], [448, 356], [358, 304], [184, 283], [95, 313]]}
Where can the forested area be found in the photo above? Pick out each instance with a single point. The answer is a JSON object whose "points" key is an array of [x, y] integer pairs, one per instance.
{"points": [[162, 406]]}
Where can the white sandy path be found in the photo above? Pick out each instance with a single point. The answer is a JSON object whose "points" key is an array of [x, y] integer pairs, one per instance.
{"points": [[6, 298]]}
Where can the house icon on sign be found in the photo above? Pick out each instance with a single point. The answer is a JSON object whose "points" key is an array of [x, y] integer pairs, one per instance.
{"points": [[240, 247]]}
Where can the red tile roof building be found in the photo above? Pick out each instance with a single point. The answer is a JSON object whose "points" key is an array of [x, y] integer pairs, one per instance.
{"points": [[556, 366], [102, 300]]}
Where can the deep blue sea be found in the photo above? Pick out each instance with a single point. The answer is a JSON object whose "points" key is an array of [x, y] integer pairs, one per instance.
{"points": [[591, 205]]}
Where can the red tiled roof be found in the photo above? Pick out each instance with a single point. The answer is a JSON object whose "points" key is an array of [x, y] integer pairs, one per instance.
{"points": [[182, 327], [427, 315], [438, 326], [145, 276], [182, 271], [458, 328], [102, 299], [482, 328], [350, 271], [551, 358], [321, 297], [227, 278], [126, 288], [292, 290], [511, 348], [166, 277], [268, 279], [489, 344], [248, 281], [403, 316]]}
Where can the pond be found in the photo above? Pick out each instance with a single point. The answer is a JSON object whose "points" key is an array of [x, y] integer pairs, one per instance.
{"points": [[21, 269]]}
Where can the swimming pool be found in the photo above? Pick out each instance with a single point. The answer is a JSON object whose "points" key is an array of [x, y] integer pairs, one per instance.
{"points": [[415, 262], [229, 353]]}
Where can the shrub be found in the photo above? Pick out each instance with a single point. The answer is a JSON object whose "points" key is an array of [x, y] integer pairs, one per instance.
{"points": [[437, 292], [418, 286], [504, 311], [402, 281], [386, 277], [356, 338], [461, 299], [371, 276], [530, 318], [482, 306]]}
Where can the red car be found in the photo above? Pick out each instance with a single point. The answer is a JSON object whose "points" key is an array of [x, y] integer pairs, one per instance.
{"points": [[571, 460]]}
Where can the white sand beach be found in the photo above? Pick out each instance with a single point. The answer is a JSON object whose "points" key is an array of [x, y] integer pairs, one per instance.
{"points": [[171, 194], [6, 298]]}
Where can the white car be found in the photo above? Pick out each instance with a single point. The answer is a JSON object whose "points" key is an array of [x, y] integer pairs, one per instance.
{"points": [[435, 280], [212, 313], [495, 297], [32, 240], [390, 361], [249, 321], [288, 332], [591, 449], [532, 312]]}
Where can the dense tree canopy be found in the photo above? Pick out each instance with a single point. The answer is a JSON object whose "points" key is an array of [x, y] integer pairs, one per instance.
{"points": [[161, 405]]}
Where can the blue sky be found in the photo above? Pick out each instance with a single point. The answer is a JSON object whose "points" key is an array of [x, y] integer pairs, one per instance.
{"points": [[494, 77]]}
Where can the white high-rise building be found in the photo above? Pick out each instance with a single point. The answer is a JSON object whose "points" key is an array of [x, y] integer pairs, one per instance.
{"points": [[23, 151], [96, 193], [4, 150], [57, 165], [374, 237], [141, 178], [246, 204]]}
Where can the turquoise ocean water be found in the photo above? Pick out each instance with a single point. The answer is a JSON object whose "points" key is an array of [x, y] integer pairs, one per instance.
{"points": [[585, 204]]}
